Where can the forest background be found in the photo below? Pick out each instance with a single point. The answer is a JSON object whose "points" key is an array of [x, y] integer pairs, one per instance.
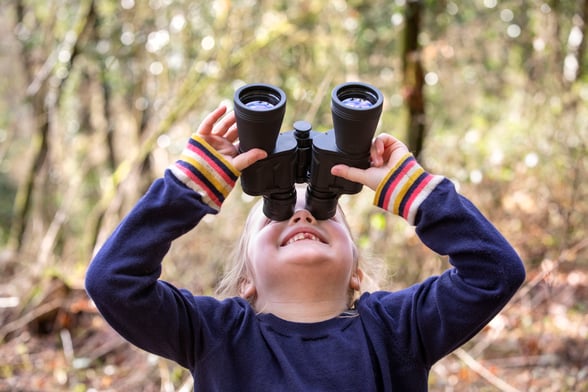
{"points": [[98, 97]]}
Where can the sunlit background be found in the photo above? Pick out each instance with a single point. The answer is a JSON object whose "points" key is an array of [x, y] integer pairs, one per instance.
{"points": [[99, 97]]}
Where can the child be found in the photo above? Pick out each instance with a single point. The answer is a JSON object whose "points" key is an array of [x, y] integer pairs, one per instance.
{"points": [[292, 324]]}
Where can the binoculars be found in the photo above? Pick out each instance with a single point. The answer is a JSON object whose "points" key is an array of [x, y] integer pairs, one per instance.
{"points": [[302, 155]]}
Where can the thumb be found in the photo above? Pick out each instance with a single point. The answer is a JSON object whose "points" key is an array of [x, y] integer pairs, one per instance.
{"points": [[248, 158], [367, 177], [349, 173]]}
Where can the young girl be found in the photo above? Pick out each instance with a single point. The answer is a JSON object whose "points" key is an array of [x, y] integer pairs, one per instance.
{"points": [[293, 323]]}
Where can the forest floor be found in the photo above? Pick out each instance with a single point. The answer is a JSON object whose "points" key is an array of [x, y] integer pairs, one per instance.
{"points": [[538, 343]]}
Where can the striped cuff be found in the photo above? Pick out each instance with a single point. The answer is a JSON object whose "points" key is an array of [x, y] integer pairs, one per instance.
{"points": [[205, 171], [405, 188]]}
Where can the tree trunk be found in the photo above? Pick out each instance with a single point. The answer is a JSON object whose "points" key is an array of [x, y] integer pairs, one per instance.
{"points": [[582, 47], [40, 145], [39, 94], [414, 78]]}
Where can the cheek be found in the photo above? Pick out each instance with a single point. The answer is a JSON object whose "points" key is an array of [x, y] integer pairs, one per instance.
{"points": [[344, 237], [252, 252], [350, 251], [260, 247]]}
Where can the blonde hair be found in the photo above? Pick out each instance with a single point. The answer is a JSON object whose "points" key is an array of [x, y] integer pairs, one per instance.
{"points": [[231, 284]]}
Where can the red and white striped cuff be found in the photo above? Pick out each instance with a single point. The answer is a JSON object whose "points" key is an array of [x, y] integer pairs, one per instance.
{"points": [[205, 171], [405, 187]]}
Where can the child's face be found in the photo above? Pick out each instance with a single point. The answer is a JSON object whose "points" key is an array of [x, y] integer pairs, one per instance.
{"points": [[301, 250]]}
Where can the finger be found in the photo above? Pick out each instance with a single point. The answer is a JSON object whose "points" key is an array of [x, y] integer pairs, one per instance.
{"points": [[376, 151], [207, 124], [392, 150], [246, 159], [232, 134], [392, 144], [222, 127]]}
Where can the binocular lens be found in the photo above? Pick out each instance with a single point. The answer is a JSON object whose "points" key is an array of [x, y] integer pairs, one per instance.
{"points": [[356, 96], [260, 96], [259, 110], [357, 103], [259, 105]]}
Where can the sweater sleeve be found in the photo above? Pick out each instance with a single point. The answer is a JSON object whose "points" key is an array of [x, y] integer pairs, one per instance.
{"points": [[443, 312], [205, 171], [123, 278]]}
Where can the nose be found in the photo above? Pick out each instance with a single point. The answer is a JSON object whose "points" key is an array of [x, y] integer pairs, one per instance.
{"points": [[302, 215]]}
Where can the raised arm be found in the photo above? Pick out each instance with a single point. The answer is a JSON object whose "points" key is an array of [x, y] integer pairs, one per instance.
{"points": [[123, 279], [441, 313]]}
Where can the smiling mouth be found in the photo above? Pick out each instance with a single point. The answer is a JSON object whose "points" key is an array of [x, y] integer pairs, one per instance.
{"points": [[302, 236]]}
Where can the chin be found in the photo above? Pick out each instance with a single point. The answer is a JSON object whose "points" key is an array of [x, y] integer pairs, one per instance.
{"points": [[308, 254]]}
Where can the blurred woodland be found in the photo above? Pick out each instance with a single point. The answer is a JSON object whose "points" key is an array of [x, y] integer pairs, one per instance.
{"points": [[99, 97]]}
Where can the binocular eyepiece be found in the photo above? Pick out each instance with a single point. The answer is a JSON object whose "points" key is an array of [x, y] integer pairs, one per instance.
{"points": [[303, 155]]}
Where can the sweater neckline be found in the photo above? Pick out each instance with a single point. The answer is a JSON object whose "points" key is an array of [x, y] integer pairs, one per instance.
{"points": [[314, 330]]}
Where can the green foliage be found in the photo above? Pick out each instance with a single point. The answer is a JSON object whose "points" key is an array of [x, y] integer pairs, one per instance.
{"points": [[137, 72], [7, 194]]}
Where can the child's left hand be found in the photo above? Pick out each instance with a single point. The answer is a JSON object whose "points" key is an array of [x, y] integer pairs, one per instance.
{"points": [[222, 136], [385, 153]]}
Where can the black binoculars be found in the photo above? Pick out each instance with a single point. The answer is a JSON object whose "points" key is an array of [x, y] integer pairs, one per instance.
{"points": [[302, 155]]}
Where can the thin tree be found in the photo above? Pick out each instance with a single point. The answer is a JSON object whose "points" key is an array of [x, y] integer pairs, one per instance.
{"points": [[413, 73], [40, 96]]}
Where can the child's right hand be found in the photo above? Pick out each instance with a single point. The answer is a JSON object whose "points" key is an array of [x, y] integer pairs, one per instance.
{"points": [[211, 163], [222, 136], [385, 153]]}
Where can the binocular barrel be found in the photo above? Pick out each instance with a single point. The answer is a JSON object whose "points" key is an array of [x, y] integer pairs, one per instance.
{"points": [[303, 155], [355, 109]]}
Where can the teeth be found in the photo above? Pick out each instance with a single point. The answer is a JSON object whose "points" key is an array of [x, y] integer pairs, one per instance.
{"points": [[302, 236]]}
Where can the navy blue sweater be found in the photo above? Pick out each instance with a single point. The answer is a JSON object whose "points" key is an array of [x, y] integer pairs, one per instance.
{"points": [[389, 344]]}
